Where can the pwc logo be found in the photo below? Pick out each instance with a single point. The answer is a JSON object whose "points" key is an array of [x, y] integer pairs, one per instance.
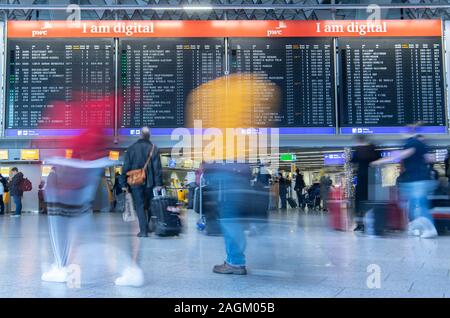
{"points": [[43, 31], [37, 33], [278, 31]]}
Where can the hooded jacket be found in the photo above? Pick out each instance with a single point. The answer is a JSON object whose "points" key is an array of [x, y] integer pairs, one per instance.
{"points": [[14, 187]]}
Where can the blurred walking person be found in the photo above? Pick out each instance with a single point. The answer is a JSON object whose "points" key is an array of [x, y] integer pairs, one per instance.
{"points": [[415, 183], [363, 154]]}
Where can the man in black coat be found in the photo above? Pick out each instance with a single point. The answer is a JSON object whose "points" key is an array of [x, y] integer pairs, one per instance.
{"points": [[16, 191], [363, 154], [135, 158]]}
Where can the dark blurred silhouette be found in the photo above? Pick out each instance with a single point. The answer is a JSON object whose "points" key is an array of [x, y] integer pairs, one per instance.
{"points": [[363, 154]]}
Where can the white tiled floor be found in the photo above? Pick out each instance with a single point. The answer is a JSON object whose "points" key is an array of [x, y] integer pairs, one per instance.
{"points": [[296, 256]]}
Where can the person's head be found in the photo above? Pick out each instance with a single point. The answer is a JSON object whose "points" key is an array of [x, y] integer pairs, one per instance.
{"points": [[297, 171], [14, 171], [145, 133]]}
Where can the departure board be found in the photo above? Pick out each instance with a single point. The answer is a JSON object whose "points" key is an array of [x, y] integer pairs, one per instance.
{"points": [[46, 79], [303, 68], [388, 83], [157, 75]]}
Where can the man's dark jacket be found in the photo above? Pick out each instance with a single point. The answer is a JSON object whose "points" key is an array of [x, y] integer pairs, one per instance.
{"points": [[14, 186], [135, 158]]}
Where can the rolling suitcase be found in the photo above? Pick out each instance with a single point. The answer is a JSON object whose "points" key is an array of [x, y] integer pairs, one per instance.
{"points": [[165, 220], [291, 201], [338, 210]]}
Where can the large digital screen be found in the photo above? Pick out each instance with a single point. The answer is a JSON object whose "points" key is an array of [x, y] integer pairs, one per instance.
{"points": [[303, 68], [157, 75], [389, 83], [59, 86]]}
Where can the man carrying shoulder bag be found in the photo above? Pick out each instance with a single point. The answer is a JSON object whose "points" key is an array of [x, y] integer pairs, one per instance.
{"points": [[142, 171]]}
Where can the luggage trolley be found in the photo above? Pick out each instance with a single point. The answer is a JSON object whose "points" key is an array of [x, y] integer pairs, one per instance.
{"points": [[201, 223]]}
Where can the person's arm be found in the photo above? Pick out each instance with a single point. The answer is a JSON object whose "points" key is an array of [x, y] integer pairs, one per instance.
{"points": [[400, 155]]}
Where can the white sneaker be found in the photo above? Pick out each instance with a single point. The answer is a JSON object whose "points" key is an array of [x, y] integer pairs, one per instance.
{"points": [[431, 233], [55, 275], [131, 276]]}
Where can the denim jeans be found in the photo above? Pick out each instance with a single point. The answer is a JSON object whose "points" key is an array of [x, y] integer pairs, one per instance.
{"points": [[415, 193], [235, 241], [18, 202]]}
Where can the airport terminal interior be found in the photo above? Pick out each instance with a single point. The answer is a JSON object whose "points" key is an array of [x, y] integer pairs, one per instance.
{"points": [[224, 149]]}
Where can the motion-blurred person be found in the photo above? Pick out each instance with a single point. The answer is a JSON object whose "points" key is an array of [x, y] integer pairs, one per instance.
{"points": [[232, 97], [3, 188], [415, 183], [282, 189], [136, 156], [15, 190], [299, 186], [232, 182], [69, 194], [325, 185], [363, 154]]}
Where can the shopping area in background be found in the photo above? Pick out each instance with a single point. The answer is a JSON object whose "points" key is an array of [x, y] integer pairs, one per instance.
{"points": [[307, 181]]}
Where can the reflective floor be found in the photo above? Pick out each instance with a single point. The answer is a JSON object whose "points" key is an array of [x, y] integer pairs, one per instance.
{"points": [[297, 255]]}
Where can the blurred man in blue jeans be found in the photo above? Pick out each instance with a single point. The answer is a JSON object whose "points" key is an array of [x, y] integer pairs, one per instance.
{"points": [[415, 183], [230, 185]]}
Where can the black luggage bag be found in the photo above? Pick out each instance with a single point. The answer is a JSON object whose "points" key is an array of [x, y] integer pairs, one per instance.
{"points": [[165, 220]]}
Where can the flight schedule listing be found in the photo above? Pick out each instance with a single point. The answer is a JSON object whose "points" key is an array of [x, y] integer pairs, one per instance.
{"points": [[158, 74], [391, 82], [303, 71], [60, 84]]}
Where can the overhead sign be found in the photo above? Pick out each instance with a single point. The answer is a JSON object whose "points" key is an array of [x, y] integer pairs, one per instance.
{"points": [[288, 157], [5, 171], [337, 158], [114, 155], [29, 154], [233, 28], [4, 154], [441, 154]]}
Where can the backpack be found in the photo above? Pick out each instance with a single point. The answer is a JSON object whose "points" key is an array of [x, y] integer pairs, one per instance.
{"points": [[25, 185]]}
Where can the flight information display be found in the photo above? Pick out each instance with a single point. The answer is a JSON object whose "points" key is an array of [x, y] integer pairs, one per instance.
{"points": [[59, 86], [388, 83], [303, 69], [158, 74]]}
